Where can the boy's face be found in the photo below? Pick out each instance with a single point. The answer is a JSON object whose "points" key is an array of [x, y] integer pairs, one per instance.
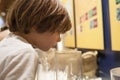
{"points": [[43, 41]]}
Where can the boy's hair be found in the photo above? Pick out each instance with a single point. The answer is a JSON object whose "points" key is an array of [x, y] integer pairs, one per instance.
{"points": [[43, 15]]}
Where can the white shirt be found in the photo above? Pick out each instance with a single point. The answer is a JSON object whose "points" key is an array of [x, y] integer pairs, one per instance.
{"points": [[18, 59]]}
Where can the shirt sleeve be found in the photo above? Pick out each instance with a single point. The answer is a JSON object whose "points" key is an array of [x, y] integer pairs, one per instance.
{"points": [[22, 66]]}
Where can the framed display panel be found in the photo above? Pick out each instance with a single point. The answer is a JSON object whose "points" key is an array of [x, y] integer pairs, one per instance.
{"points": [[69, 37], [114, 8], [89, 25]]}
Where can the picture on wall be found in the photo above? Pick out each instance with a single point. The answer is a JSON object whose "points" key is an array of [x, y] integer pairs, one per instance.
{"points": [[69, 37], [114, 8], [89, 24]]}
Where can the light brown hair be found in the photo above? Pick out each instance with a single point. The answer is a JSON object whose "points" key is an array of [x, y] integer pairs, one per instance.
{"points": [[43, 15]]}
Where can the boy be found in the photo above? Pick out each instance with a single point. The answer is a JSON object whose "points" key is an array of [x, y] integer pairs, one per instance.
{"points": [[32, 24]]}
